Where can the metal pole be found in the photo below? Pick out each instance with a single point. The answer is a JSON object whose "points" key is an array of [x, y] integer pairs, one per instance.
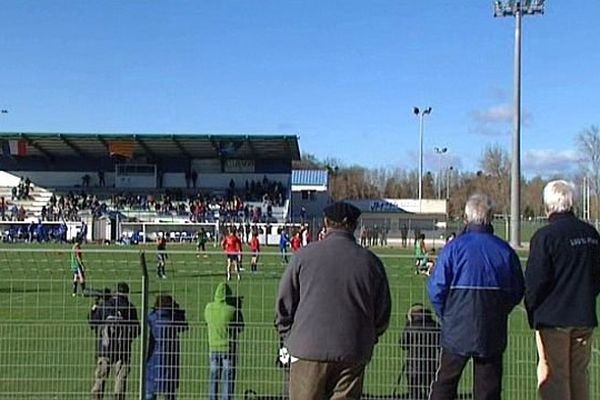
{"points": [[439, 176], [448, 172], [515, 198], [144, 327], [420, 159]]}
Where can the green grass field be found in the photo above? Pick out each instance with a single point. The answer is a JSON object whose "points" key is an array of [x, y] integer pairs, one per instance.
{"points": [[47, 348]]}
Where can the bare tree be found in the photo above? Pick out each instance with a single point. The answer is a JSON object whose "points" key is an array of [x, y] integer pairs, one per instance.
{"points": [[588, 144], [495, 164]]}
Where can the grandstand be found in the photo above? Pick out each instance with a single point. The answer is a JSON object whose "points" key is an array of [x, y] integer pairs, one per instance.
{"points": [[126, 185]]}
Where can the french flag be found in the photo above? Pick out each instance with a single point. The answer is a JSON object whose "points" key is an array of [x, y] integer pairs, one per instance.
{"points": [[14, 148]]}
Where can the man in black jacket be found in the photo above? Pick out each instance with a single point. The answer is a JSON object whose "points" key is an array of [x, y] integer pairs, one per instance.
{"points": [[116, 324], [562, 283]]}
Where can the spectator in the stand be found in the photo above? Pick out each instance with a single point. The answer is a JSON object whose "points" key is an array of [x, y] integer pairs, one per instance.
{"points": [[13, 193], [194, 178], [101, 181], [22, 213], [188, 178], [302, 214], [85, 180]]}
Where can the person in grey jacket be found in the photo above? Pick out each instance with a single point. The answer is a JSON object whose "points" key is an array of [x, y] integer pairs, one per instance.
{"points": [[333, 304]]}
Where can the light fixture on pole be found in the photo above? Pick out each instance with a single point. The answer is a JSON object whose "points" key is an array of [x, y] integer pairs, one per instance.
{"points": [[421, 114], [440, 151], [517, 8]]}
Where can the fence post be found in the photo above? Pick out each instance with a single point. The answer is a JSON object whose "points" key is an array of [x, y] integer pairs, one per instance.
{"points": [[144, 326]]}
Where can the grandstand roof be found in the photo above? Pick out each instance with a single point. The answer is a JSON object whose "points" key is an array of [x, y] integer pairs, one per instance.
{"points": [[158, 146], [309, 177]]}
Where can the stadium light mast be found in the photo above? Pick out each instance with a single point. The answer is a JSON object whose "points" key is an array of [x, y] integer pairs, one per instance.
{"points": [[517, 8], [440, 151], [421, 114]]}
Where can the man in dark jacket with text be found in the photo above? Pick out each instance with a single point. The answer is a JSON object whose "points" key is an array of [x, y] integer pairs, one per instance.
{"points": [[332, 306], [476, 282], [563, 281]]}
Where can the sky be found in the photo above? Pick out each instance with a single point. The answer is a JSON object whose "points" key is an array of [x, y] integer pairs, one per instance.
{"points": [[343, 75]]}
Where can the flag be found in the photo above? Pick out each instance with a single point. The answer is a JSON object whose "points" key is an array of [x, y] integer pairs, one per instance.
{"points": [[121, 148], [14, 148]]}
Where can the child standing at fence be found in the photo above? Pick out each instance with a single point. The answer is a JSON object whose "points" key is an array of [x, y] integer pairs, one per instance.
{"points": [[77, 267]]}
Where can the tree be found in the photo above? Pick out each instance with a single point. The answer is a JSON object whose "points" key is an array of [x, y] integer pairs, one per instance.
{"points": [[588, 144], [495, 165]]}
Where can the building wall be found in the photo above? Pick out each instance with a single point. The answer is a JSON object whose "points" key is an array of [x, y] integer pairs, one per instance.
{"points": [[314, 207]]}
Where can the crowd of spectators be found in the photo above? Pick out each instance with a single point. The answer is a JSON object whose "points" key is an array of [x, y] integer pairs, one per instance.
{"points": [[231, 206], [22, 190]]}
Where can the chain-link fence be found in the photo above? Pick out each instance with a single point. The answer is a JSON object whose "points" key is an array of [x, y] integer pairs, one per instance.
{"points": [[48, 347]]}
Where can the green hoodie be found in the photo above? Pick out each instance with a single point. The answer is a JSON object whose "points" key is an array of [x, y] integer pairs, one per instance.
{"points": [[223, 320]]}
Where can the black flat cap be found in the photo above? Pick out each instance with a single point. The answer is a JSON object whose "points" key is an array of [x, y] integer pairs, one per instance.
{"points": [[341, 211]]}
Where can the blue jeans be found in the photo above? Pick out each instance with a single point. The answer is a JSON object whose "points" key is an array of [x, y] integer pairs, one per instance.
{"points": [[222, 372]]}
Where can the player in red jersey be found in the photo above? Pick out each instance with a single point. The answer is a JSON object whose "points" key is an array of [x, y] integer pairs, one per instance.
{"points": [[255, 248], [233, 247], [296, 242]]}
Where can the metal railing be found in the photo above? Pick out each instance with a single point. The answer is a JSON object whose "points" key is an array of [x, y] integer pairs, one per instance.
{"points": [[47, 349]]}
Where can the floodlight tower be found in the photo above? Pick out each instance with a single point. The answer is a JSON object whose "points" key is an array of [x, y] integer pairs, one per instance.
{"points": [[440, 151], [421, 114], [517, 8]]}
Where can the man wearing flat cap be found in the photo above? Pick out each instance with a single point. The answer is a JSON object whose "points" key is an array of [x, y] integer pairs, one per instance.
{"points": [[332, 306]]}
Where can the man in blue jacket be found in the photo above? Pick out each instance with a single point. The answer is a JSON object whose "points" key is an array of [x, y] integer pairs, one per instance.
{"points": [[476, 282]]}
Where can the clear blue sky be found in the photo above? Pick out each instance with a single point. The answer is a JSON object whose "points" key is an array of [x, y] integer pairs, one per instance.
{"points": [[343, 75]]}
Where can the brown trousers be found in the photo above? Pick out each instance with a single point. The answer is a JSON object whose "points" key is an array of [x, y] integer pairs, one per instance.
{"points": [[315, 380], [121, 370], [564, 356]]}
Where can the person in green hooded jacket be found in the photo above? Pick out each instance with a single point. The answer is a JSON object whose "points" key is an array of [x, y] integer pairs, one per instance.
{"points": [[225, 322]]}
